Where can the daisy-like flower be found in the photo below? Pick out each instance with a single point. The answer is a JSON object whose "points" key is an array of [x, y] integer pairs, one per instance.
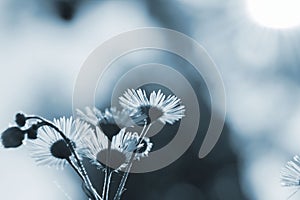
{"points": [[122, 146], [111, 121], [131, 142], [156, 107], [144, 149], [290, 175], [50, 149]]}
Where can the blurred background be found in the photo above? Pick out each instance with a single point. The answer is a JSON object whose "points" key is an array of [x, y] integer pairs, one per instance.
{"points": [[254, 43]]}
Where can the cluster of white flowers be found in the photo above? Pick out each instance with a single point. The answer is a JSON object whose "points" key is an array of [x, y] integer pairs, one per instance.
{"points": [[101, 136]]}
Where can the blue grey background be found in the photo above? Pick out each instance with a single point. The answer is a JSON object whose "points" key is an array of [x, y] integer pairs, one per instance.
{"points": [[44, 44]]}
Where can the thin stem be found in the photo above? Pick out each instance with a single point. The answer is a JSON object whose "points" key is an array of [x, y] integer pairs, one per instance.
{"points": [[126, 173], [144, 127], [76, 156], [123, 180], [75, 168], [108, 184], [290, 196], [104, 184], [72, 164], [108, 171], [142, 136]]}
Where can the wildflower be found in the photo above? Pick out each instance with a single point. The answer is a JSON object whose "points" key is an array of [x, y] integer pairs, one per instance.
{"points": [[12, 137], [157, 107], [111, 121], [131, 142], [50, 149], [145, 148], [291, 173], [118, 155]]}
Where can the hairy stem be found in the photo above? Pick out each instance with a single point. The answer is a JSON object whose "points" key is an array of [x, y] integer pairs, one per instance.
{"points": [[108, 185], [126, 173], [108, 171], [104, 184], [123, 181], [75, 154], [75, 168]]}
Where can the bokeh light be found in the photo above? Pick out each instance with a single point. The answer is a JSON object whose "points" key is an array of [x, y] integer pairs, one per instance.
{"points": [[275, 13]]}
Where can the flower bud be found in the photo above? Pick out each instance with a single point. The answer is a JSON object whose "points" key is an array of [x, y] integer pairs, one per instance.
{"points": [[12, 137], [32, 132], [20, 119]]}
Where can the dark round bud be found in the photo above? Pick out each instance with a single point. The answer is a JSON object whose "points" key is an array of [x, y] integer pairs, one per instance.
{"points": [[12, 137], [32, 132], [20, 119], [60, 149]]}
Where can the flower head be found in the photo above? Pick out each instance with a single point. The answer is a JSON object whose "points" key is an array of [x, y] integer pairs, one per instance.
{"points": [[115, 154], [144, 149], [290, 175], [12, 137], [111, 121], [156, 107], [132, 143], [50, 149]]}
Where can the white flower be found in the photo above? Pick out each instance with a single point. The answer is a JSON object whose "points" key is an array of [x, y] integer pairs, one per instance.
{"points": [[290, 175], [50, 149], [130, 142], [144, 149], [111, 121], [157, 107], [116, 154]]}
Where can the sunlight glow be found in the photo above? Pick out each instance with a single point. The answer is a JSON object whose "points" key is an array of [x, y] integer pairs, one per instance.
{"points": [[275, 13]]}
